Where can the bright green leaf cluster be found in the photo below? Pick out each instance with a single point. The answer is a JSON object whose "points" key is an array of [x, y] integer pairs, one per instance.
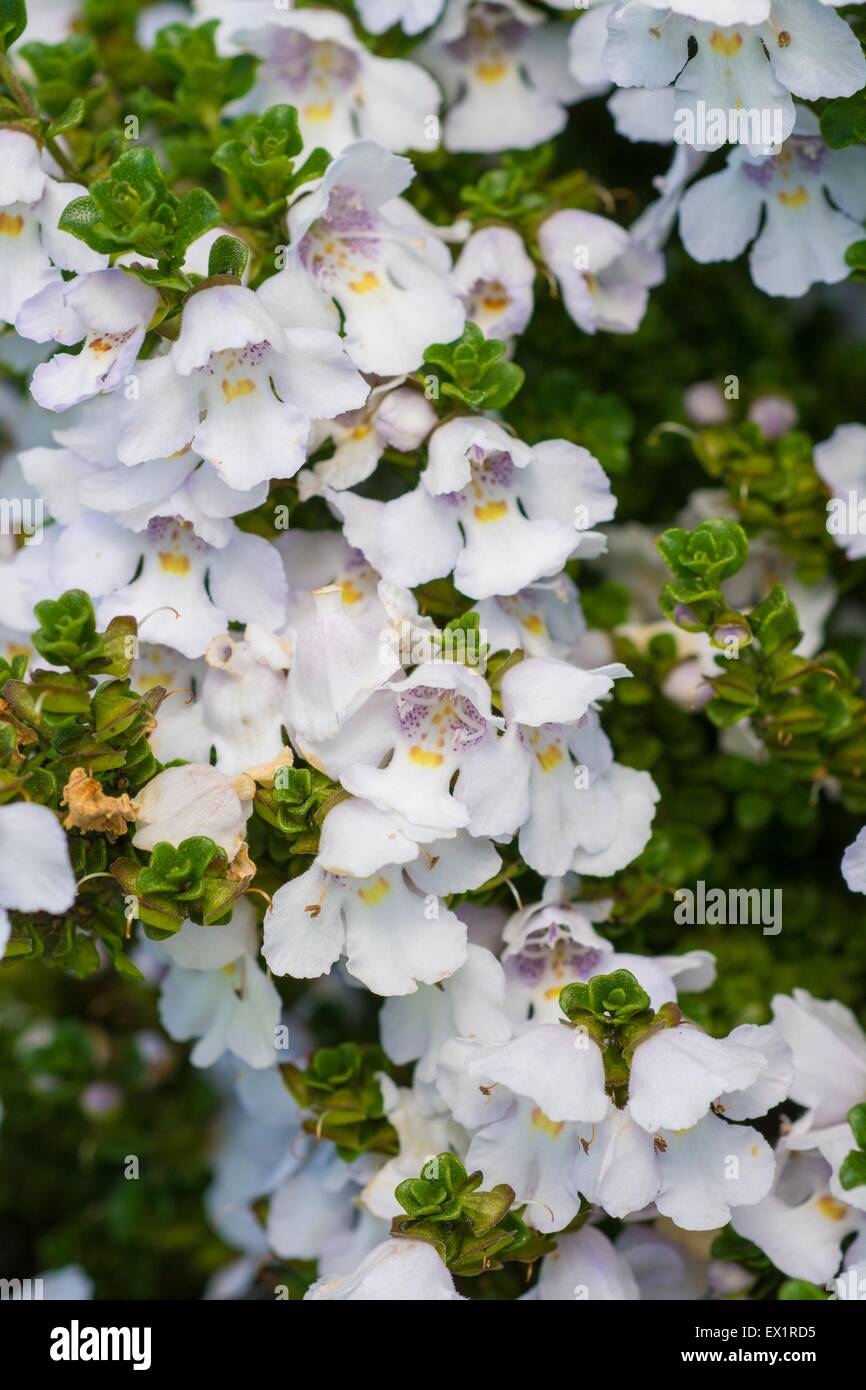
{"points": [[133, 209], [853, 1171], [340, 1087], [480, 378], [259, 161], [473, 1230], [189, 880]]}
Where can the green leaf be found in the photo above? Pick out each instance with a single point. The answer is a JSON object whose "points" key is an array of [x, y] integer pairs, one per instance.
{"points": [[480, 379], [13, 21], [260, 158], [843, 121], [71, 117], [800, 1290], [228, 256], [775, 622], [712, 553], [197, 212], [857, 1121], [615, 997], [133, 209], [853, 1170], [67, 634], [855, 256], [204, 80]]}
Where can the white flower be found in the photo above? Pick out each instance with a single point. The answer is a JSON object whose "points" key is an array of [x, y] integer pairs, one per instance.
{"points": [[799, 47], [854, 864], [544, 619], [585, 1264], [469, 1004], [829, 1053], [195, 799], [316, 563], [342, 92], [182, 591], [240, 387], [399, 418], [841, 462], [411, 15], [581, 810], [180, 730], [216, 992], [705, 1068], [259, 1145], [441, 722], [314, 1208], [800, 1225], [829, 1050], [536, 1156], [586, 43], [499, 513], [357, 900], [505, 75], [604, 273], [548, 945], [80, 473], [804, 236], [566, 1138], [653, 227], [398, 1271], [702, 1166], [711, 1170], [543, 1065], [110, 310], [31, 202], [242, 707], [495, 278], [355, 241], [338, 661], [35, 872]]}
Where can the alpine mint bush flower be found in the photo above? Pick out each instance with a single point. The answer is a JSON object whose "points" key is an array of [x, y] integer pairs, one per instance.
{"points": [[432, 731]]}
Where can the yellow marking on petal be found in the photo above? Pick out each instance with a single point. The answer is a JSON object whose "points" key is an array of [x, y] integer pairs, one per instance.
{"points": [[491, 72], [533, 624], [727, 44], [11, 223], [322, 111], [100, 345], [754, 1151], [376, 892], [550, 757], [368, 281], [361, 431], [424, 758], [547, 1126], [553, 993], [233, 389], [798, 198], [491, 511], [495, 303], [351, 595], [173, 564], [832, 1209]]}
